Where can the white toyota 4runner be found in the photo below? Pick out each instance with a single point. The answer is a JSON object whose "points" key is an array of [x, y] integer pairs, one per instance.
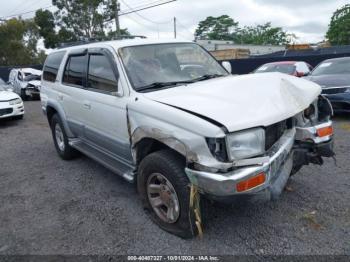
{"points": [[170, 118]]}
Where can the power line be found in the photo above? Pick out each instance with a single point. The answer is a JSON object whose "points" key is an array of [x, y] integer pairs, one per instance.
{"points": [[143, 17], [148, 7], [28, 12]]}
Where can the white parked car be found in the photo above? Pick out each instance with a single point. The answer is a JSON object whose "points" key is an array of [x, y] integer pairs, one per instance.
{"points": [[11, 105], [26, 82], [170, 118]]}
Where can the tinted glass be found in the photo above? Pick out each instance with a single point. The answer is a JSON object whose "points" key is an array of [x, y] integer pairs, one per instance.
{"points": [[101, 75], [282, 68], [332, 67], [52, 64], [73, 73]]}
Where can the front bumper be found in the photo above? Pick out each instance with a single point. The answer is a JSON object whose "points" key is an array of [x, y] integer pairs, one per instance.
{"points": [[276, 169], [32, 92], [7, 110]]}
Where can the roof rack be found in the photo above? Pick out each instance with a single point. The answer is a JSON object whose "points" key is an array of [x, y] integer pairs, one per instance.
{"points": [[84, 41]]}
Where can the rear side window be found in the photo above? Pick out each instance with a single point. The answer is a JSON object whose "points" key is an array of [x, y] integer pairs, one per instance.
{"points": [[74, 71], [101, 75], [51, 66]]}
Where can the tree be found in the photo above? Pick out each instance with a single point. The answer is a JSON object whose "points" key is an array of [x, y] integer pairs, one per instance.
{"points": [[76, 20], [216, 28], [339, 28], [263, 34], [18, 45], [225, 28]]}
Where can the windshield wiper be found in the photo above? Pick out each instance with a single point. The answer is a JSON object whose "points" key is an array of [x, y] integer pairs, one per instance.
{"points": [[206, 77], [160, 85]]}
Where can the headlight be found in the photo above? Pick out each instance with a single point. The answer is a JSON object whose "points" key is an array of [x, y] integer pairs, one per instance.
{"points": [[15, 101], [245, 144]]}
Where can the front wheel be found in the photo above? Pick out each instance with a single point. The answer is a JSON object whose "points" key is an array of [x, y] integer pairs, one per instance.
{"points": [[165, 192]]}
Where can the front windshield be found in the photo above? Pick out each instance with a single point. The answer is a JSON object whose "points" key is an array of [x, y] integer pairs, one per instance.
{"points": [[282, 68], [334, 67], [168, 63], [30, 77]]}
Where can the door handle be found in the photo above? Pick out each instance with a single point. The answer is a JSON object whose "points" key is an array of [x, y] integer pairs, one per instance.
{"points": [[87, 105]]}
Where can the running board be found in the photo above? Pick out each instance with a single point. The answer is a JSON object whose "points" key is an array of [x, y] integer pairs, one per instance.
{"points": [[111, 162]]}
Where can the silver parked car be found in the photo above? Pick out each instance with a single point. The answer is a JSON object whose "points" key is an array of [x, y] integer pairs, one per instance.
{"points": [[26, 82], [167, 116]]}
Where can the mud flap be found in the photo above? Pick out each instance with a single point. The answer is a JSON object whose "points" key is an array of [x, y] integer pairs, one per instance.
{"points": [[195, 208]]}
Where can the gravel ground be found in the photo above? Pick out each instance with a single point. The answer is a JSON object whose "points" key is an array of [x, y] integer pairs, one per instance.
{"points": [[49, 206]]}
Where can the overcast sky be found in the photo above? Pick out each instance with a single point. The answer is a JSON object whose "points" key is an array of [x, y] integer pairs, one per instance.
{"points": [[308, 19]]}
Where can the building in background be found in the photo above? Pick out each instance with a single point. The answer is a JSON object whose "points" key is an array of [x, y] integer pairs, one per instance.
{"points": [[254, 50]]}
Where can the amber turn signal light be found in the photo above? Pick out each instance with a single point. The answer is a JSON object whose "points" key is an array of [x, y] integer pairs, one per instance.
{"points": [[325, 131], [251, 182]]}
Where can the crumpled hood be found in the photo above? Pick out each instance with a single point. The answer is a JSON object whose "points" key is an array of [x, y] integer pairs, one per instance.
{"points": [[36, 83], [241, 102], [7, 95]]}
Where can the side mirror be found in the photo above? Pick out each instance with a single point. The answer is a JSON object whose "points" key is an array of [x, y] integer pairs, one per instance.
{"points": [[227, 66]]}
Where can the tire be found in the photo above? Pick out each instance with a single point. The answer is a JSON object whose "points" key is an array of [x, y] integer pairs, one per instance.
{"points": [[171, 166], [23, 95], [64, 150]]}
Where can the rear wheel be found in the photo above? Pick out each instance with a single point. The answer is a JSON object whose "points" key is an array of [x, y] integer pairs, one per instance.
{"points": [[165, 192], [60, 139]]}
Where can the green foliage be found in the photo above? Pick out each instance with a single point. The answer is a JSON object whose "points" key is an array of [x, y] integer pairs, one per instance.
{"points": [[339, 28], [218, 28], [77, 20], [225, 28], [18, 45]]}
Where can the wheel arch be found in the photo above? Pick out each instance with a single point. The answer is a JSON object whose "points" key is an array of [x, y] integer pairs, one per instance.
{"points": [[53, 108]]}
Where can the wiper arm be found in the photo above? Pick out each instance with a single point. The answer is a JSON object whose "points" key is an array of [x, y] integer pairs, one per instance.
{"points": [[206, 77], [160, 85]]}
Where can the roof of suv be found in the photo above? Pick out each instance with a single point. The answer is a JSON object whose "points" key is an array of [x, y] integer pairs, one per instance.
{"points": [[116, 44]]}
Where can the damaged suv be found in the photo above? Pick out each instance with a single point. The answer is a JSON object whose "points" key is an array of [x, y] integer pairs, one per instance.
{"points": [[170, 118]]}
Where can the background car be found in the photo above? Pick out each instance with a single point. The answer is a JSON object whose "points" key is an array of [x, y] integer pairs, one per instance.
{"points": [[333, 75], [11, 105], [26, 82], [294, 68]]}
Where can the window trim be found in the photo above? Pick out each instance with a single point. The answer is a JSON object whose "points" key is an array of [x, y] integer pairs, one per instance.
{"points": [[79, 52], [109, 55], [58, 69]]}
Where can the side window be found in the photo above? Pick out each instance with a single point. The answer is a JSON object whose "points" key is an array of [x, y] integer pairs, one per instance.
{"points": [[101, 75], [51, 66], [19, 76], [74, 70]]}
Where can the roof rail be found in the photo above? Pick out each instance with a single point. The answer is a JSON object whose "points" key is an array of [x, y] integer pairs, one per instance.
{"points": [[84, 41]]}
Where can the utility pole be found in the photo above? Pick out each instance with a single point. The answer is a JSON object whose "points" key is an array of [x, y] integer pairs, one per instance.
{"points": [[116, 15], [174, 27]]}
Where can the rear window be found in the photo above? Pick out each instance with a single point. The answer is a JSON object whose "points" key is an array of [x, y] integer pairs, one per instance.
{"points": [[282, 68], [74, 71], [51, 66]]}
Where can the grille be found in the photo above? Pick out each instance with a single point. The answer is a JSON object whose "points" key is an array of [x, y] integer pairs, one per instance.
{"points": [[6, 111], [274, 132], [332, 91]]}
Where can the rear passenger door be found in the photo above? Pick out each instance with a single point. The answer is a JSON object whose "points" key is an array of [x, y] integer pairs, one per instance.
{"points": [[105, 107], [72, 91]]}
